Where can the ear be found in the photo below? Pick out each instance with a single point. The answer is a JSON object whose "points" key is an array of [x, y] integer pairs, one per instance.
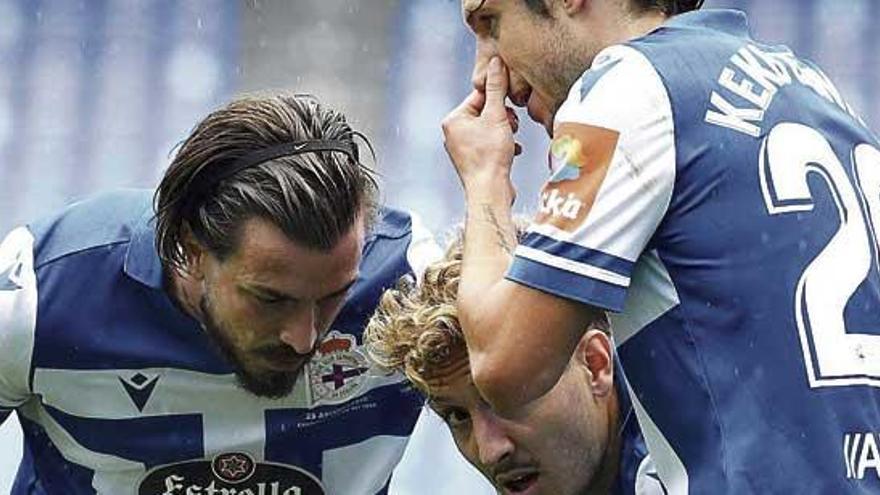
{"points": [[195, 254], [594, 352], [572, 7]]}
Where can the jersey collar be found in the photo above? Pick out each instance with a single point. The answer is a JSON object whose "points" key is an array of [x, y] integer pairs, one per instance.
{"points": [[142, 261], [732, 22]]}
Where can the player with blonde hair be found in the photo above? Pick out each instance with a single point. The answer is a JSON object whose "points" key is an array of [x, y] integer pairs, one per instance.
{"points": [[580, 437]]}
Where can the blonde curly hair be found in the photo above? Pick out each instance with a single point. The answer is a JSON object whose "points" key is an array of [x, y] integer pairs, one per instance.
{"points": [[416, 330]]}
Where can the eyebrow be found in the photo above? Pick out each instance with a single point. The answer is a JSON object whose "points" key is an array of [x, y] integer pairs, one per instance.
{"points": [[342, 290], [269, 291]]}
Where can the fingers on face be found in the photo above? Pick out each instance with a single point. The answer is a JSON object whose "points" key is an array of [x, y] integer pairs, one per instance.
{"points": [[497, 81], [474, 103], [512, 119]]}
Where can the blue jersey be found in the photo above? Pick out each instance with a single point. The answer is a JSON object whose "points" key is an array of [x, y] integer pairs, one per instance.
{"points": [[723, 197], [118, 392], [637, 474]]}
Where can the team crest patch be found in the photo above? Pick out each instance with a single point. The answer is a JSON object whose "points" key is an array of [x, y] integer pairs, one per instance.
{"points": [[338, 371], [579, 159], [229, 473]]}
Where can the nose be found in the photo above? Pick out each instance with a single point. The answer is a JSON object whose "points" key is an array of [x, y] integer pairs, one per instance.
{"points": [[484, 53], [518, 89], [300, 332], [492, 441]]}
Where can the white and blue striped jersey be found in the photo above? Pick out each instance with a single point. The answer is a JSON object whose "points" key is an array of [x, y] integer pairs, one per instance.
{"points": [[721, 196], [118, 392]]}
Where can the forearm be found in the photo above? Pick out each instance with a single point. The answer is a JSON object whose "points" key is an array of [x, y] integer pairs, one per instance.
{"points": [[514, 359], [490, 237], [519, 339]]}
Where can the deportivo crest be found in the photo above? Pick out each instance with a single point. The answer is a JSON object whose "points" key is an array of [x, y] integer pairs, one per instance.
{"points": [[579, 159], [231, 473], [337, 372]]}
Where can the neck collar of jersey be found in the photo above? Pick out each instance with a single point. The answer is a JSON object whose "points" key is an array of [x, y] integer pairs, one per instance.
{"points": [[624, 405], [142, 261], [733, 22]]}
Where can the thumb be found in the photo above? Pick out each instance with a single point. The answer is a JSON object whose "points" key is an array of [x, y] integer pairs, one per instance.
{"points": [[496, 89]]}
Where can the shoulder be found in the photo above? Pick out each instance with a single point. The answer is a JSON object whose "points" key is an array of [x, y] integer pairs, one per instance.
{"points": [[400, 237], [398, 246], [391, 223], [621, 91], [103, 220]]}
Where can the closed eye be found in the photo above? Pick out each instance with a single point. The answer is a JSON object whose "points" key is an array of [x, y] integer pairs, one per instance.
{"points": [[264, 296], [455, 417], [270, 299]]}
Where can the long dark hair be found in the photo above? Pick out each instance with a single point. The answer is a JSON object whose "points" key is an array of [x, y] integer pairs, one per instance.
{"points": [[314, 198]]}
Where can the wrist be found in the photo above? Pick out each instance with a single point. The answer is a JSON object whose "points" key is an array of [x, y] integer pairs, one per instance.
{"points": [[487, 183]]}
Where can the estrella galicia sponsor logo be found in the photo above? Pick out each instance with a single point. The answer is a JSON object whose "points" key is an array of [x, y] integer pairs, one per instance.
{"points": [[234, 467], [231, 473], [861, 455], [579, 159], [338, 371]]}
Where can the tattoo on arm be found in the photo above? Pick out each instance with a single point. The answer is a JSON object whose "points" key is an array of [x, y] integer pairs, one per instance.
{"points": [[500, 236]]}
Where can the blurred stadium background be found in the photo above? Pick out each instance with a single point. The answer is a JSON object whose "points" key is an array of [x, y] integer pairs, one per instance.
{"points": [[95, 94]]}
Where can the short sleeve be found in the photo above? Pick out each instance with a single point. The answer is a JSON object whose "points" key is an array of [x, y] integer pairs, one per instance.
{"points": [[613, 169]]}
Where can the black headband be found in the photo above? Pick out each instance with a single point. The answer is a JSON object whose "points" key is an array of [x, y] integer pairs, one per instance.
{"points": [[203, 183]]}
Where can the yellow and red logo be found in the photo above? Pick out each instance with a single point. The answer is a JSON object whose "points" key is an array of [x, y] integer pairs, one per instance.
{"points": [[580, 155]]}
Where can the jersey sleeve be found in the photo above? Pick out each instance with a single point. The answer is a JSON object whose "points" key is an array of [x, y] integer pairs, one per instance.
{"points": [[18, 313], [613, 168]]}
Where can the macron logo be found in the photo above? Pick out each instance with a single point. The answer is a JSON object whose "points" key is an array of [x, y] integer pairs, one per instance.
{"points": [[9, 277], [139, 388]]}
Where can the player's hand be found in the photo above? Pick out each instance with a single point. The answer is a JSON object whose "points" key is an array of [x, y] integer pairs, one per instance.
{"points": [[479, 132]]}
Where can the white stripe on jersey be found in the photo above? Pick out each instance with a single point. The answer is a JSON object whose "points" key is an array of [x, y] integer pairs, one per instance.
{"points": [[178, 391], [571, 266], [18, 315], [222, 404], [223, 407], [117, 476], [669, 466], [651, 295]]}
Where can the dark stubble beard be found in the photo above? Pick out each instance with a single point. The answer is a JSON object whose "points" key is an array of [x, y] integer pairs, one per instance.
{"points": [[269, 383]]}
